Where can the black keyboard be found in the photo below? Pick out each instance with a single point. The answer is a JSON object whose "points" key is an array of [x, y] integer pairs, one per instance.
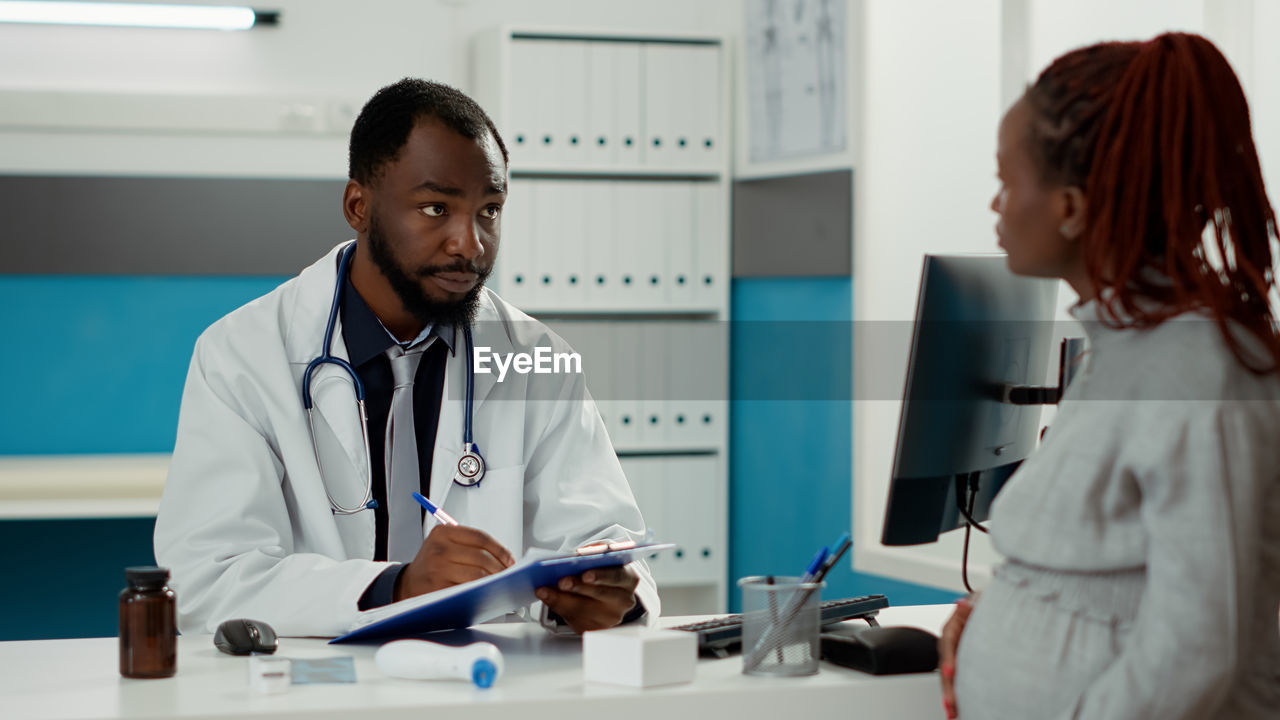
{"points": [[722, 636]]}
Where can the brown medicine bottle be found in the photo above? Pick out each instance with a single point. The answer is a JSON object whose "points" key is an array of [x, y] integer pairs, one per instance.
{"points": [[148, 624]]}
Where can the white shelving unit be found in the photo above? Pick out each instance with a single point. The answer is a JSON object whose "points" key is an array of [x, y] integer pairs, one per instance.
{"points": [[616, 234]]}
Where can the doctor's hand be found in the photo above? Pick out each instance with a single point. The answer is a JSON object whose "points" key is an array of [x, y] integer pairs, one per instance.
{"points": [[451, 555], [595, 600]]}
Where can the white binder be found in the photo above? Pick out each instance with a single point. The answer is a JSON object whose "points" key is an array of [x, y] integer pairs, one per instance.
{"points": [[589, 340], [712, 423], [660, 97], [701, 474], [702, 69], [678, 245], [710, 426], [653, 407], [599, 242], [684, 357], [708, 375], [515, 244], [602, 104], [569, 102], [644, 475], [568, 248], [629, 235], [602, 376], [522, 121], [626, 406], [682, 96], [690, 513], [544, 258], [597, 363], [710, 240], [533, 87], [649, 217], [708, 429], [629, 86]]}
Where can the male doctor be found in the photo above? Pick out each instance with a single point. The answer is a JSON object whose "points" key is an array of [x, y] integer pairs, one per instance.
{"points": [[258, 521]]}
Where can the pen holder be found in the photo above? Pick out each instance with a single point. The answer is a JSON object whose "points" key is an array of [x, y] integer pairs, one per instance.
{"points": [[780, 622]]}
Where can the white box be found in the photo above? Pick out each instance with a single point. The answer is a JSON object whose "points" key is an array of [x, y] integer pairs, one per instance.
{"points": [[639, 656]]}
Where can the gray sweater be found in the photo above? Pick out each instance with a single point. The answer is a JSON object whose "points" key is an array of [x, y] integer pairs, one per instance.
{"points": [[1154, 504]]}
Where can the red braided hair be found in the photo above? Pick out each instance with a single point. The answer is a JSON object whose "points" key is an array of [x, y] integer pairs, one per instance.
{"points": [[1157, 135]]}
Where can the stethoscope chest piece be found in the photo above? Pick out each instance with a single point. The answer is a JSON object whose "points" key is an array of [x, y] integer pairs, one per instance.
{"points": [[470, 466]]}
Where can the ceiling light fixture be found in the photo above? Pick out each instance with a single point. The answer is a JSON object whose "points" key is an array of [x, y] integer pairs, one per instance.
{"points": [[204, 17]]}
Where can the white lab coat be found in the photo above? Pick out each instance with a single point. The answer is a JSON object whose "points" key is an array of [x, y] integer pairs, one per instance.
{"points": [[245, 525]]}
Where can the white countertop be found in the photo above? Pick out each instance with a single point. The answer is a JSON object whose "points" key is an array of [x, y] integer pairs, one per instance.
{"points": [[64, 679]]}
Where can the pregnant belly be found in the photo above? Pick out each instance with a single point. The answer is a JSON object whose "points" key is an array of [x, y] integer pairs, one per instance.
{"points": [[1023, 656]]}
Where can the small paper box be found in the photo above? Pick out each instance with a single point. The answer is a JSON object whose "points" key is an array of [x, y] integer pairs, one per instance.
{"points": [[639, 656]]}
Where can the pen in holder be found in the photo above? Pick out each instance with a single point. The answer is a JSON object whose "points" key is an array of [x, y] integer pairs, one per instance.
{"points": [[773, 613], [780, 642]]}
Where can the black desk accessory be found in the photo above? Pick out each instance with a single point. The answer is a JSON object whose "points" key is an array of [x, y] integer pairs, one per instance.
{"points": [[245, 637], [881, 650]]}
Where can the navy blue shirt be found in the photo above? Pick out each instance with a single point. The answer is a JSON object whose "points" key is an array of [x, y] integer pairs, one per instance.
{"points": [[367, 341]]}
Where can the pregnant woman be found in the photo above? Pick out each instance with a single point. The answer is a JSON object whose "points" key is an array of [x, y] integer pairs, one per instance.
{"points": [[1142, 540]]}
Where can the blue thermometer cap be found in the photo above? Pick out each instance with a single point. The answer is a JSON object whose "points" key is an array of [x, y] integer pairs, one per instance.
{"points": [[483, 673]]}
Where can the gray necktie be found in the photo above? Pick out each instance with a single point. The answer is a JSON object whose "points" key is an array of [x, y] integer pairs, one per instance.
{"points": [[404, 527]]}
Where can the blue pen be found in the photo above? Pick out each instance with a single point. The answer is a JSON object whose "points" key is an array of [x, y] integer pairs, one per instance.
{"points": [[432, 508], [814, 565], [842, 545]]}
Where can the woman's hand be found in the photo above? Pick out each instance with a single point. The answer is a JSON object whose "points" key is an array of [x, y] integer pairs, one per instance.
{"points": [[947, 645]]}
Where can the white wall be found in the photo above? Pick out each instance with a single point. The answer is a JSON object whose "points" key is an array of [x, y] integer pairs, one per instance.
{"points": [[1263, 88], [937, 76], [931, 102], [318, 67], [322, 50]]}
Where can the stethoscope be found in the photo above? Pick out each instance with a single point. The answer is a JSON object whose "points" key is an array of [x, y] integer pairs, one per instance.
{"points": [[470, 466]]}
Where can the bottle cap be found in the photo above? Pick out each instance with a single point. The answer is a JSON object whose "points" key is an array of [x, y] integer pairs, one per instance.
{"points": [[146, 575]]}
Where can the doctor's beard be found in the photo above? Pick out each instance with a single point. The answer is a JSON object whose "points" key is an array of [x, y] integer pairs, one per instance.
{"points": [[407, 284]]}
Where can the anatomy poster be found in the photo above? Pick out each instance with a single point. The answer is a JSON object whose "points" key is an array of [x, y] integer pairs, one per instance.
{"points": [[796, 66]]}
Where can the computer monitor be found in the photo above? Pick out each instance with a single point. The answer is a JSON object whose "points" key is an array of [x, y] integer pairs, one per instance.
{"points": [[979, 331]]}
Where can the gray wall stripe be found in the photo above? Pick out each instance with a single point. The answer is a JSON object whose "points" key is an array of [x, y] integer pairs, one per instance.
{"points": [[167, 226], [801, 225]]}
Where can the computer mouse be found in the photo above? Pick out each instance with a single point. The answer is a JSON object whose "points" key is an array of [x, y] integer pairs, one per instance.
{"points": [[881, 650], [244, 637]]}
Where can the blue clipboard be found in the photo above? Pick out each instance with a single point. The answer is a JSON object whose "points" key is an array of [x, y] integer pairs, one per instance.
{"points": [[475, 602]]}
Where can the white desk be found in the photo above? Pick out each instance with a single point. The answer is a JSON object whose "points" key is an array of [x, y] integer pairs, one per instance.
{"points": [[543, 679]]}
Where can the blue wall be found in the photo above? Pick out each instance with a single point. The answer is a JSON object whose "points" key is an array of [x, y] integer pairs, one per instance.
{"points": [[103, 359], [95, 365], [791, 425]]}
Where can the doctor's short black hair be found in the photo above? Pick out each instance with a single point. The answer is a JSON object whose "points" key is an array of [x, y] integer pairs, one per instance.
{"points": [[384, 123]]}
